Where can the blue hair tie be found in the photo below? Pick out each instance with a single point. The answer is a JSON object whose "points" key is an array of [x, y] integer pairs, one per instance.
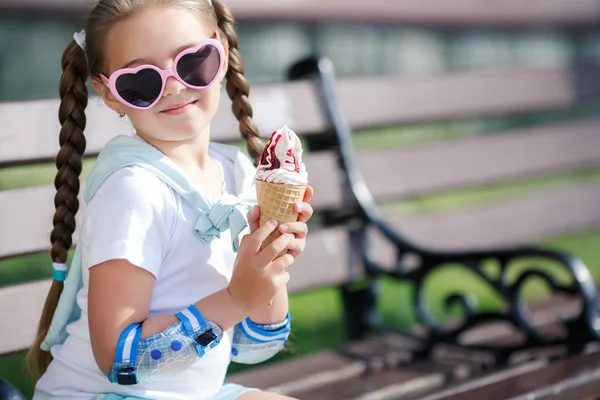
{"points": [[60, 271]]}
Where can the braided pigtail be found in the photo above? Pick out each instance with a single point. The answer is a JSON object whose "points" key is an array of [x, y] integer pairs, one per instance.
{"points": [[237, 86], [74, 99]]}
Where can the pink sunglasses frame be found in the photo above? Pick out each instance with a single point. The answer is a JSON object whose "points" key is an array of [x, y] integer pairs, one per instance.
{"points": [[111, 82]]}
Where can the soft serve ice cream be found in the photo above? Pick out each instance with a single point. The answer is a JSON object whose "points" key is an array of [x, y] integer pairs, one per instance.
{"points": [[281, 161], [281, 179]]}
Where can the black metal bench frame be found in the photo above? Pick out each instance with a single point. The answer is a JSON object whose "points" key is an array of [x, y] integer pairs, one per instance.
{"points": [[362, 214]]}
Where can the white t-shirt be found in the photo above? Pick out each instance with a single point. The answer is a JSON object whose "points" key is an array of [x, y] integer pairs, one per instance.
{"points": [[135, 216]]}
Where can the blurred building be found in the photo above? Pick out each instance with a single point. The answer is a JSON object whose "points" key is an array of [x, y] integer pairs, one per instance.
{"points": [[32, 41]]}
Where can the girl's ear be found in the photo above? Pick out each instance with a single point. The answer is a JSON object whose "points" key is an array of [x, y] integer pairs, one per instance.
{"points": [[106, 95]]}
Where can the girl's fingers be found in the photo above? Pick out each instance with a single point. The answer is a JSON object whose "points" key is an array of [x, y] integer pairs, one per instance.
{"points": [[282, 263], [278, 245], [299, 229], [258, 237], [308, 194], [253, 218], [282, 279], [296, 247], [304, 210]]}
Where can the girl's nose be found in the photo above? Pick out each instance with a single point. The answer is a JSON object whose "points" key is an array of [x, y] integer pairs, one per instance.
{"points": [[172, 87]]}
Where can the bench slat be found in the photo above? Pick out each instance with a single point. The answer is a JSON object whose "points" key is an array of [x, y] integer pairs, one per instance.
{"points": [[408, 11], [419, 170], [447, 165], [399, 100], [302, 373], [464, 94], [563, 377], [17, 329], [396, 383], [504, 223], [30, 129]]}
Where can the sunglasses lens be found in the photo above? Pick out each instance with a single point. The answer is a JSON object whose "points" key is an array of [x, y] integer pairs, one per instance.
{"points": [[140, 89], [199, 69]]}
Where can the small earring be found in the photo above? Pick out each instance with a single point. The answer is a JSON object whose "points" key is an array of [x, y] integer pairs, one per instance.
{"points": [[121, 114]]}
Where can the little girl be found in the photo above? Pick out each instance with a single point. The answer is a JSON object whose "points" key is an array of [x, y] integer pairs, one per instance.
{"points": [[169, 281]]}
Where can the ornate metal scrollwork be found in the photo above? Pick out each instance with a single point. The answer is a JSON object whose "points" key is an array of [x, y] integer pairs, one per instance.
{"points": [[578, 329]]}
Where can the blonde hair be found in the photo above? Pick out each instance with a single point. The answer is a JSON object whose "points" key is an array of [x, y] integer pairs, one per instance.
{"points": [[77, 66]]}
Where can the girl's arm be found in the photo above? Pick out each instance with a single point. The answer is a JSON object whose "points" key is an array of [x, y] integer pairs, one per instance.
{"points": [[276, 313], [120, 294], [280, 304]]}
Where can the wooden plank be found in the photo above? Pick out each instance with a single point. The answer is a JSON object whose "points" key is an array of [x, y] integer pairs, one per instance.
{"points": [[18, 329], [408, 11], [580, 388], [507, 223], [519, 154], [397, 383], [24, 138], [504, 223], [302, 372], [400, 100], [27, 220], [463, 94], [558, 377]]}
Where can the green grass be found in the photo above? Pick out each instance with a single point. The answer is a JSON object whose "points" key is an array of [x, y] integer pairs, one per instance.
{"points": [[25, 269], [23, 176]]}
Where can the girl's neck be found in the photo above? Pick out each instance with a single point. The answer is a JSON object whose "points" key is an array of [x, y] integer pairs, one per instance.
{"points": [[190, 153]]}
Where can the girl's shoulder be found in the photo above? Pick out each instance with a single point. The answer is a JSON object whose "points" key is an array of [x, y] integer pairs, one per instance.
{"points": [[133, 184], [135, 193], [133, 217]]}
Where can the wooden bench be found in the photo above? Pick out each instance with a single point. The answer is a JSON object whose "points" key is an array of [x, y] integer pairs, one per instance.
{"points": [[511, 352], [347, 186], [353, 245]]}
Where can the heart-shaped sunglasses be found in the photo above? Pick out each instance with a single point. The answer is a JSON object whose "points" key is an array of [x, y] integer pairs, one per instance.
{"points": [[142, 87]]}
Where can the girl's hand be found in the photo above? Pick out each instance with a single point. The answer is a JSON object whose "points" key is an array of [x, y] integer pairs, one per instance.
{"points": [[298, 229], [259, 274]]}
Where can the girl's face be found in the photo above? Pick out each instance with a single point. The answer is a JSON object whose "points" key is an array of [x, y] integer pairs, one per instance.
{"points": [[155, 36]]}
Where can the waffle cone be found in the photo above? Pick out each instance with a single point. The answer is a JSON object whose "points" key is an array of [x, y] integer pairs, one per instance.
{"points": [[276, 201]]}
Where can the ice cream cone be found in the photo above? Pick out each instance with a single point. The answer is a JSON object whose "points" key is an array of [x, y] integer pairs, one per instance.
{"points": [[281, 180], [276, 201]]}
